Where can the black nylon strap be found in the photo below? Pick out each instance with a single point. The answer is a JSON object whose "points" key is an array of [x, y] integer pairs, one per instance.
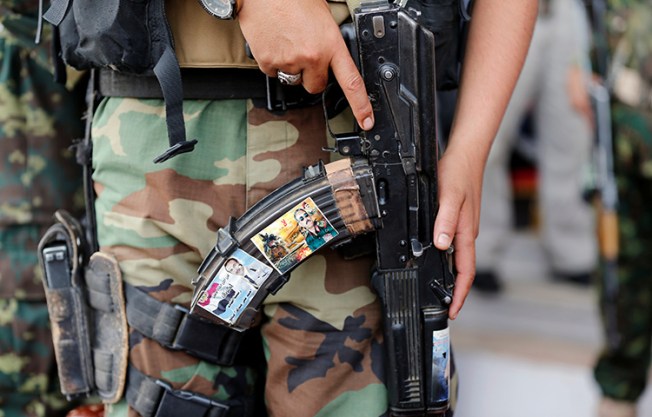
{"points": [[84, 155], [212, 84], [155, 398], [57, 11], [197, 84], [169, 76], [168, 73], [171, 326]]}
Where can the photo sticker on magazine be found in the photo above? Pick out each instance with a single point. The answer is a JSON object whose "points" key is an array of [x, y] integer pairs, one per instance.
{"points": [[294, 236], [234, 285]]}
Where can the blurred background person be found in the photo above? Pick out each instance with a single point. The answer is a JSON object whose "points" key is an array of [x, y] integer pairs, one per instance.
{"points": [[38, 174], [623, 365], [552, 90]]}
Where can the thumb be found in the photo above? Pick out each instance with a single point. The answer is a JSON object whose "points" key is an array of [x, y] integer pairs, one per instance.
{"points": [[446, 223]]}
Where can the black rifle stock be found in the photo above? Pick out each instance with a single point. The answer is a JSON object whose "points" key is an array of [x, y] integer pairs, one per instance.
{"points": [[393, 170]]}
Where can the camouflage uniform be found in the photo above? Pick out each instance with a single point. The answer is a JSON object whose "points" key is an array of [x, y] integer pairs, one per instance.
{"points": [[322, 336], [38, 119], [160, 221], [622, 371]]}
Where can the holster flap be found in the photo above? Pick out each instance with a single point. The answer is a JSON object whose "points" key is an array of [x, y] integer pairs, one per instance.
{"points": [[110, 343]]}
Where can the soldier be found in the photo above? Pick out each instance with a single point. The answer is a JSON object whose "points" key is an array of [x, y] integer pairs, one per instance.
{"points": [[322, 331], [38, 174], [622, 367]]}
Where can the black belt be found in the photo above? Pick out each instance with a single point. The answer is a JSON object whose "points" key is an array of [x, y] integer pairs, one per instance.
{"points": [[212, 84]]}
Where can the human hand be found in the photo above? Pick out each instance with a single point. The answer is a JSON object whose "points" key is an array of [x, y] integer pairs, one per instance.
{"points": [[498, 28], [578, 94], [302, 37], [457, 222]]}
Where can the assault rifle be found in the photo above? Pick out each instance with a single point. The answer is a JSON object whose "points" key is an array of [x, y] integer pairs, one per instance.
{"points": [[606, 191], [607, 206], [413, 277], [386, 183]]}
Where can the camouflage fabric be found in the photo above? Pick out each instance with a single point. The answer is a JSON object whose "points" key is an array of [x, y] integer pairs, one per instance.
{"points": [[622, 372], [322, 337], [631, 52], [38, 119]]}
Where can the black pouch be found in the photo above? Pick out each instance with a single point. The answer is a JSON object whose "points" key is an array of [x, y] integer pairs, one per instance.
{"points": [[113, 34], [61, 257], [108, 33], [131, 36], [87, 312]]}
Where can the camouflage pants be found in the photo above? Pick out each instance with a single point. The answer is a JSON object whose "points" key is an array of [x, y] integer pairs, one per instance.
{"points": [[622, 371], [38, 120], [322, 337]]}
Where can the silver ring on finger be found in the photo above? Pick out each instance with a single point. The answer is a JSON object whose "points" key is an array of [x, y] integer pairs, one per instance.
{"points": [[288, 79]]}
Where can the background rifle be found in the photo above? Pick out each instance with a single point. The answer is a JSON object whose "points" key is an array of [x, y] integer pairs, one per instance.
{"points": [[605, 187]]}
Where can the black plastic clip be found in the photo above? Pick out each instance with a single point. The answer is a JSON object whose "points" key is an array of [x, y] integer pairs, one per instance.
{"points": [[177, 149], [185, 403]]}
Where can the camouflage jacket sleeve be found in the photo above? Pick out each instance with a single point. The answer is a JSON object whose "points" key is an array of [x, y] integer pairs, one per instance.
{"points": [[19, 18], [629, 24], [630, 31]]}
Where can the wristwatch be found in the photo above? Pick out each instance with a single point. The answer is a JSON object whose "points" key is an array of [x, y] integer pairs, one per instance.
{"points": [[222, 9]]}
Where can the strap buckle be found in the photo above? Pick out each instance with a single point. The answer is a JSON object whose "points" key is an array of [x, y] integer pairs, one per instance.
{"points": [[219, 346], [188, 404], [281, 98]]}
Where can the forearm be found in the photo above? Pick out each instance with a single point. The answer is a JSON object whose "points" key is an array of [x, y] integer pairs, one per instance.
{"points": [[498, 41], [499, 37]]}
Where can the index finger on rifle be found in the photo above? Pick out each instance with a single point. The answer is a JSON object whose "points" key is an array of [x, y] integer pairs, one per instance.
{"points": [[352, 84]]}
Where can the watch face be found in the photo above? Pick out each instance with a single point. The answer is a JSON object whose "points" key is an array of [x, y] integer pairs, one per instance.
{"points": [[222, 9]]}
